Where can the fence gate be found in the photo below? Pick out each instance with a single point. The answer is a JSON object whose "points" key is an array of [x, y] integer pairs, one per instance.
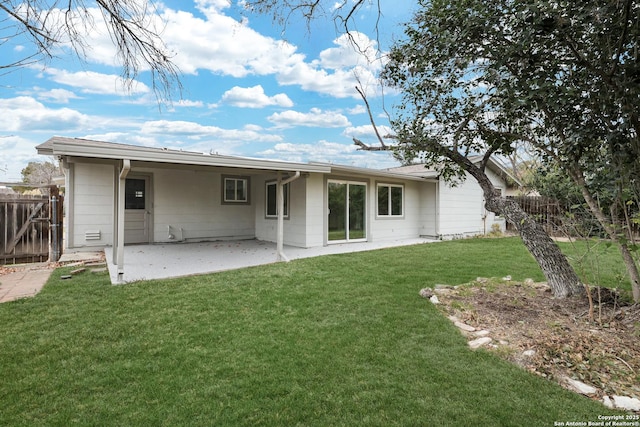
{"points": [[30, 228]]}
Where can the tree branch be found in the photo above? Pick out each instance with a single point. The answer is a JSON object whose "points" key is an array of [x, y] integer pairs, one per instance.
{"points": [[366, 147], [373, 123]]}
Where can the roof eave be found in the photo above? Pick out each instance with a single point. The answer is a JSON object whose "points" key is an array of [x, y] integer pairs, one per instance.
{"points": [[78, 149]]}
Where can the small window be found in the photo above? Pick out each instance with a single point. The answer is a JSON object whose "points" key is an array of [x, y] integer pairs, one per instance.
{"points": [[134, 197], [271, 207], [390, 200], [235, 190]]}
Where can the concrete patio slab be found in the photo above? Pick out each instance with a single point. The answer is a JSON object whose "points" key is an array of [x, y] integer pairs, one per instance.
{"points": [[161, 261]]}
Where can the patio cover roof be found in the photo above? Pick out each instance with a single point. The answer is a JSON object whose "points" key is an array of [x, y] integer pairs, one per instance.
{"points": [[76, 147], [86, 148]]}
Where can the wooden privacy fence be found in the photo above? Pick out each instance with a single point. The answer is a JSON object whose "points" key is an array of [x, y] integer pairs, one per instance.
{"points": [[544, 210], [30, 228], [561, 220]]}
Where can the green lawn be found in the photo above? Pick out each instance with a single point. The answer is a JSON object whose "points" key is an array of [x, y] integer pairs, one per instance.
{"points": [[332, 341]]}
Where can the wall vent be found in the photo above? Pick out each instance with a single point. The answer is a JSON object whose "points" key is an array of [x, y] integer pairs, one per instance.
{"points": [[92, 235]]}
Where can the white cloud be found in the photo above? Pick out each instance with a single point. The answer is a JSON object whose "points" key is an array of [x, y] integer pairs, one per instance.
{"points": [[60, 96], [96, 83], [188, 103], [254, 97], [338, 70], [24, 113], [330, 152], [352, 50], [199, 131], [314, 118], [322, 151], [212, 5], [223, 45], [358, 109], [366, 131], [15, 153]]}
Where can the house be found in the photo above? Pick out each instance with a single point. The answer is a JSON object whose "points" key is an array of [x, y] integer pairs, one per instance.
{"points": [[119, 194]]}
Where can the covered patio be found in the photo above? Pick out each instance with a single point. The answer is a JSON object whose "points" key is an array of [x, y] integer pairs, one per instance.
{"points": [[162, 261]]}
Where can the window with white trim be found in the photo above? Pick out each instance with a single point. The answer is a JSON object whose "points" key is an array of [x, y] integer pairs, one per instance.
{"points": [[390, 200], [235, 190], [271, 200]]}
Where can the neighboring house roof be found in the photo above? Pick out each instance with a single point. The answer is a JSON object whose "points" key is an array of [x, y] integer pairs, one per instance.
{"points": [[385, 173], [416, 170], [493, 164], [76, 147]]}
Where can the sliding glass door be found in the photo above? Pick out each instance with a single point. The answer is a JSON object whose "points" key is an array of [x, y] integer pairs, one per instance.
{"points": [[347, 211]]}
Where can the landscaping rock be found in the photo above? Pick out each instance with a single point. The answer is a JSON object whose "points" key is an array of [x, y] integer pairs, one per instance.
{"points": [[626, 403], [529, 353], [464, 326], [426, 292], [482, 333], [443, 289], [541, 285], [506, 278], [434, 300], [479, 342], [579, 386]]}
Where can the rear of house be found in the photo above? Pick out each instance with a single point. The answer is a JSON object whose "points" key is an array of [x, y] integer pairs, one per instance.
{"points": [[164, 196]]}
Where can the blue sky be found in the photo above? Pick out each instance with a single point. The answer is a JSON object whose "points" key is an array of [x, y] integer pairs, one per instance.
{"points": [[247, 90]]}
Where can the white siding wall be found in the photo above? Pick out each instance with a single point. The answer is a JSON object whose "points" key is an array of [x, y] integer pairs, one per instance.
{"points": [[189, 203], [428, 209], [316, 210], [92, 208], [461, 209], [295, 226], [392, 228]]}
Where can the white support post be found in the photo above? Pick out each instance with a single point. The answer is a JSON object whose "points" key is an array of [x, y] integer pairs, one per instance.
{"points": [[280, 207], [118, 246]]}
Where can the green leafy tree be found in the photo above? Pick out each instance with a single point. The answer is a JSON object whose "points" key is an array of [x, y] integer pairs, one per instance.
{"points": [[483, 76], [448, 112]]}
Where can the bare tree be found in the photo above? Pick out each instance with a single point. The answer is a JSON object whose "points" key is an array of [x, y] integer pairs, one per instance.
{"points": [[49, 25]]}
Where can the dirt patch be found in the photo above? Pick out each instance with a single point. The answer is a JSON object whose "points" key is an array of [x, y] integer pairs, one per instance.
{"points": [[593, 343]]}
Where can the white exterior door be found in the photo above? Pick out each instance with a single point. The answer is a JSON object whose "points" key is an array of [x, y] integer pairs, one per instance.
{"points": [[137, 210]]}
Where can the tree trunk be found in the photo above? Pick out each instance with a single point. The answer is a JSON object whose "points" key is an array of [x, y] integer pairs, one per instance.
{"points": [[561, 277]]}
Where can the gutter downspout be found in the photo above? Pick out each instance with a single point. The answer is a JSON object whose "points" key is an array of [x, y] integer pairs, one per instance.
{"points": [[438, 235], [280, 196], [119, 237]]}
